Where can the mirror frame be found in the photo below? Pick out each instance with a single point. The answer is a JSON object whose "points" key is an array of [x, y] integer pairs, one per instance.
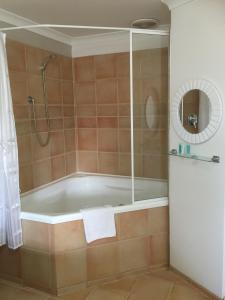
{"points": [[216, 111]]}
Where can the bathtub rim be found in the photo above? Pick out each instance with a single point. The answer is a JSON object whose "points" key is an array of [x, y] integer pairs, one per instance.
{"points": [[56, 219]]}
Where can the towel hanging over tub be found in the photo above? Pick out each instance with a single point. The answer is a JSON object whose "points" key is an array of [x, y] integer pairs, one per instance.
{"points": [[99, 223]]}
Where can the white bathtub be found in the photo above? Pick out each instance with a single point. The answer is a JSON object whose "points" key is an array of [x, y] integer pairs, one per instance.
{"points": [[61, 201]]}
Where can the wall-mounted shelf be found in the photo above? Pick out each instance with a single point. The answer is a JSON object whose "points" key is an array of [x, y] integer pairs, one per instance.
{"points": [[213, 159]]}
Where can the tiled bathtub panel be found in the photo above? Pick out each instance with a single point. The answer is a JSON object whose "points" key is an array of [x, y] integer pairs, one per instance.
{"points": [[61, 250], [10, 264]]}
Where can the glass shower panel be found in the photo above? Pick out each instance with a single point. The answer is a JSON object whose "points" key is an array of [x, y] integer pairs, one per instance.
{"points": [[150, 115]]}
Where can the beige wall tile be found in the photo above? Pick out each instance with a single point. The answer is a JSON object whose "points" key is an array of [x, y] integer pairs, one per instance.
{"points": [[10, 263], [123, 90], [54, 67], [107, 140], [83, 69], [37, 269], [107, 122], [39, 152], [87, 161], [86, 122], [19, 87], [42, 172], [54, 91], [67, 91], [102, 261], [158, 220], [107, 110], [57, 143], [108, 163], [70, 162], [132, 224], [87, 139], [71, 268], [26, 178], [106, 91], [16, 56], [122, 64], [36, 235], [133, 254], [105, 65], [24, 149], [66, 68], [85, 93], [159, 249], [68, 236], [34, 59], [58, 167]]}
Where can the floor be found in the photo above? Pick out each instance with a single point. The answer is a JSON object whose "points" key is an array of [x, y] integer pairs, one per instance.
{"points": [[158, 285]]}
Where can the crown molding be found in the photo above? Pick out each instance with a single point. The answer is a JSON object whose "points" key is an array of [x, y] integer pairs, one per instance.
{"points": [[113, 42], [16, 20], [175, 3]]}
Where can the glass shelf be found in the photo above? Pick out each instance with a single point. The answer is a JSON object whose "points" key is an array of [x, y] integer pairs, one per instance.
{"points": [[213, 159]]}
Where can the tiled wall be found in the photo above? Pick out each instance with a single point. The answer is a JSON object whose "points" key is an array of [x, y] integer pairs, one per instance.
{"points": [[57, 256], [150, 73], [100, 86], [102, 102], [40, 165], [103, 113]]}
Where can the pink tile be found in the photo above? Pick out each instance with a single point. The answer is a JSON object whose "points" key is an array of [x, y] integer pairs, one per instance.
{"points": [[83, 69], [87, 139], [107, 140], [106, 91], [107, 122]]}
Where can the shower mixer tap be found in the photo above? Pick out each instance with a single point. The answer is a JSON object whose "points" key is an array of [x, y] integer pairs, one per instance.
{"points": [[193, 120], [30, 99]]}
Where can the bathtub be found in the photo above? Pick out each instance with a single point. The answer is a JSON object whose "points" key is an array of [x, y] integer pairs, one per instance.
{"points": [[62, 200], [55, 250]]}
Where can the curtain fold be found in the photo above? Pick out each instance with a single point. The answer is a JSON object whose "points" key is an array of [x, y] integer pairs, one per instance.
{"points": [[10, 223]]}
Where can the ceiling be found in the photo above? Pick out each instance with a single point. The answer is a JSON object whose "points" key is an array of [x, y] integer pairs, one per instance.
{"points": [[115, 13]]}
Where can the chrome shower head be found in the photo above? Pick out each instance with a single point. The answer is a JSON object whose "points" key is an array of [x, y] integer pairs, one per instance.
{"points": [[43, 66]]}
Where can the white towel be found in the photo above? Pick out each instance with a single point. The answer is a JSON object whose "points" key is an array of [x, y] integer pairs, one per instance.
{"points": [[99, 223]]}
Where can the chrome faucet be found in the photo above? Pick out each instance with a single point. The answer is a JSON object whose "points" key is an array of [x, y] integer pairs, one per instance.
{"points": [[193, 120]]}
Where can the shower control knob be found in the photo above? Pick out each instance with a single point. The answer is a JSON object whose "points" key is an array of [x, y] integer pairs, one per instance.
{"points": [[30, 99]]}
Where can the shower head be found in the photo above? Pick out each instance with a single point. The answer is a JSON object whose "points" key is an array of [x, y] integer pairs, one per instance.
{"points": [[44, 64]]}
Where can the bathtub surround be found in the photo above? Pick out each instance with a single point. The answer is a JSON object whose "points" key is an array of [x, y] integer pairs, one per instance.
{"points": [[10, 223], [102, 95], [95, 133], [59, 259], [99, 86], [40, 165]]}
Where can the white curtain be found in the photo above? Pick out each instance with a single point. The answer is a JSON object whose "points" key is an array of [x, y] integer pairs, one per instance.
{"points": [[10, 223]]}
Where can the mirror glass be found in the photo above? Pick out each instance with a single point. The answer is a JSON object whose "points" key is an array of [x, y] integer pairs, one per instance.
{"points": [[195, 111]]}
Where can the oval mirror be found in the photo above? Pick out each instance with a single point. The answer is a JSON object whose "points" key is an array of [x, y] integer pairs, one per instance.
{"points": [[196, 111]]}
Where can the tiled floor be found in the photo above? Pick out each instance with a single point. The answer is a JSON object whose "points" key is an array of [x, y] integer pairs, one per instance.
{"points": [[158, 285]]}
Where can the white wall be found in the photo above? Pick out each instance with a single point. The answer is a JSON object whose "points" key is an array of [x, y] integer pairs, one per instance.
{"points": [[197, 188]]}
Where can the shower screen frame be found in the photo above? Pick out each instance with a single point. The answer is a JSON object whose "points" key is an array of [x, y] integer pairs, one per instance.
{"points": [[131, 31]]}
